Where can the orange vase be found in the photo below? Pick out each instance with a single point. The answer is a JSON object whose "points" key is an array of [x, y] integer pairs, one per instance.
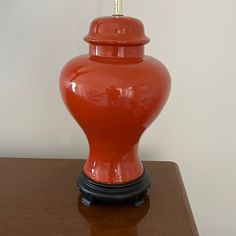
{"points": [[114, 93]]}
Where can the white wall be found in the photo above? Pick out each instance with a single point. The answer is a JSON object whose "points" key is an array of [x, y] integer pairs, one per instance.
{"points": [[195, 39]]}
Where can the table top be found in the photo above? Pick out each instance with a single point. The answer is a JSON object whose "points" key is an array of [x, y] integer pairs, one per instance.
{"points": [[39, 197]]}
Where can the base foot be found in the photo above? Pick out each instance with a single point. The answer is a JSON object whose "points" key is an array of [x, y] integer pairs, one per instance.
{"points": [[133, 192]]}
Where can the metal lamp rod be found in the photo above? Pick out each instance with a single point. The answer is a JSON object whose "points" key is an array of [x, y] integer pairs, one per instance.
{"points": [[118, 8]]}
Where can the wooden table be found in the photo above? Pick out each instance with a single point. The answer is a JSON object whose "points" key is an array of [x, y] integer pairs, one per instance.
{"points": [[39, 197]]}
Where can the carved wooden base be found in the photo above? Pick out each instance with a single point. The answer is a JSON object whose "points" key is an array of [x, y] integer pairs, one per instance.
{"points": [[133, 192]]}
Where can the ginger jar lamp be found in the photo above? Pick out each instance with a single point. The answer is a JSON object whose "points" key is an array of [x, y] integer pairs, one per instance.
{"points": [[114, 93]]}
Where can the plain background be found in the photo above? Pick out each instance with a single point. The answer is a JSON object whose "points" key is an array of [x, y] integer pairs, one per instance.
{"points": [[197, 42]]}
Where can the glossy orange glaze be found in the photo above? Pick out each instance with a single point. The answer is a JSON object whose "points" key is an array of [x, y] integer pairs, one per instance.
{"points": [[114, 93]]}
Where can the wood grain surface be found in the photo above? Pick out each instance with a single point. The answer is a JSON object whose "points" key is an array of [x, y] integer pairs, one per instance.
{"points": [[39, 197]]}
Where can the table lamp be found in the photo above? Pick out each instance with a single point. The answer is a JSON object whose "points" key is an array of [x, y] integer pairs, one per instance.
{"points": [[114, 93]]}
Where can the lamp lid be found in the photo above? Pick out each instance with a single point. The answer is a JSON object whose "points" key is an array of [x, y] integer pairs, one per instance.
{"points": [[117, 30]]}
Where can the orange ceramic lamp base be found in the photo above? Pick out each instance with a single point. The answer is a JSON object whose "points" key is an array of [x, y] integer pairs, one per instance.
{"points": [[114, 93]]}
